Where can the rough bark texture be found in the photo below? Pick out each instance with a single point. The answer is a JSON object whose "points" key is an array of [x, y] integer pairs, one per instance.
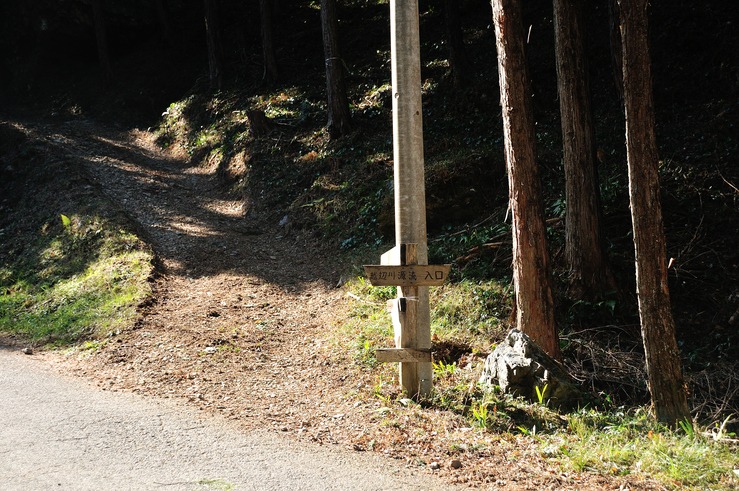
{"points": [[615, 41], [590, 277], [259, 123], [215, 66], [666, 384], [531, 274], [339, 116], [268, 45], [102, 38], [458, 62]]}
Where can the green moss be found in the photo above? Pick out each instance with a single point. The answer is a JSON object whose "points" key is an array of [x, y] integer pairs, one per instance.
{"points": [[85, 280]]}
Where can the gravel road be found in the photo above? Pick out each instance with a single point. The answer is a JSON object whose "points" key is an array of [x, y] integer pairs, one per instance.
{"points": [[61, 433]]}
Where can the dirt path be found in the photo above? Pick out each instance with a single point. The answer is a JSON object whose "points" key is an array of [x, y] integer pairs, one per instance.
{"points": [[241, 305]]}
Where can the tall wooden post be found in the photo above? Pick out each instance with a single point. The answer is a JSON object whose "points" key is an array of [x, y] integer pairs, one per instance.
{"points": [[410, 193]]}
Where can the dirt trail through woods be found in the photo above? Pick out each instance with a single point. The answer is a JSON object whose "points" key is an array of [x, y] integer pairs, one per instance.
{"points": [[240, 325], [241, 306]]}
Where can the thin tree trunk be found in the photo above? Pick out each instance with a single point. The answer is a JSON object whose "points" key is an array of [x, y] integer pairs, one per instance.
{"points": [[102, 38], [458, 62], [666, 384], [168, 31], [268, 46], [215, 65], [531, 274], [614, 35], [339, 116], [590, 276]]}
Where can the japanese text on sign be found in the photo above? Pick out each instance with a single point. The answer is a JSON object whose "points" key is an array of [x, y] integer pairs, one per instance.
{"points": [[413, 275]]}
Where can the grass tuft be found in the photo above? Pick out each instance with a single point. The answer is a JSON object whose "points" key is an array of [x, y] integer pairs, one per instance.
{"points": [[83, 280]]}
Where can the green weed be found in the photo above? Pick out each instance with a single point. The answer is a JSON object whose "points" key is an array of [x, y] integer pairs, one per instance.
{"points": [[620, 442], [541, 393], [443, 370], [83, 281], [470, 312]]}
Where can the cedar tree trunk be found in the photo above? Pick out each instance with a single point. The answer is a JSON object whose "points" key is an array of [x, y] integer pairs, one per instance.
{"points": [[168, 31], [531, 274], [268, 43], [102, 38], [666, 384], [458, 62], [590, 277], [215, 65], [339, 116], [614, 35]]}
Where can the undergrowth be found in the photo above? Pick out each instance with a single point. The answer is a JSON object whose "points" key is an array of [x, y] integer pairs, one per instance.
{"points": [[601, 438], [81, 278], [71, 269]]}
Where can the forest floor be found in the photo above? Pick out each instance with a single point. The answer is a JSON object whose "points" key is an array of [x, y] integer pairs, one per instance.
{"points": [[242, 323]]}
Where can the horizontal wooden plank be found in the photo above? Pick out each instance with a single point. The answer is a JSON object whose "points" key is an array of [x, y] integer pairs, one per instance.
{"points": [[412, 275], [402, 355]]}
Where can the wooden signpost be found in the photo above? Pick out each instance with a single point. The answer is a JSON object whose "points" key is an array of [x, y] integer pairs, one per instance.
{"points": [[406, 265], [410, 313]]}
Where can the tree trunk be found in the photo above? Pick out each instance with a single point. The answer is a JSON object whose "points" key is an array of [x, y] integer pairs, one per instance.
{"points": [[531, 274], [666, 384], [614, 35], [268, 45], [215, 65], [259, 123], [102, 38], [339, 116], [589, 274], [458, 62], [168, 31]]}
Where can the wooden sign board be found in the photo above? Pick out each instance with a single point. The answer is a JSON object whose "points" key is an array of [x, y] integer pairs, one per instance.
{"points": [[402, 355], [411, 275]]}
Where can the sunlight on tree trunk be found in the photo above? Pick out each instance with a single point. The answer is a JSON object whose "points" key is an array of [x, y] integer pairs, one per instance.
{"points": [[531, 273], [666, 384]]}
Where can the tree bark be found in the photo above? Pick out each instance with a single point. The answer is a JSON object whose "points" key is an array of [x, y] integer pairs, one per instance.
{"points": [[666, 384], [168, 31], [614, 35], [102, 38], [458, 62], [531, 273], [339, 115], [259, 123], [215, 50], [589, 274], [268, 45]]}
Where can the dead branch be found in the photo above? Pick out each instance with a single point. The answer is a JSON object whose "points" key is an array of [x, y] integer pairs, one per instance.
{"points": [[478, 250]]}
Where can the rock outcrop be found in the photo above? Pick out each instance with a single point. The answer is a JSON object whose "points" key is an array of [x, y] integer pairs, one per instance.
{"points": [[520, 367]]}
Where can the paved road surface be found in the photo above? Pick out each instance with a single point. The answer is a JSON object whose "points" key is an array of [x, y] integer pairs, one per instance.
{"points": [[61, 433]]}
